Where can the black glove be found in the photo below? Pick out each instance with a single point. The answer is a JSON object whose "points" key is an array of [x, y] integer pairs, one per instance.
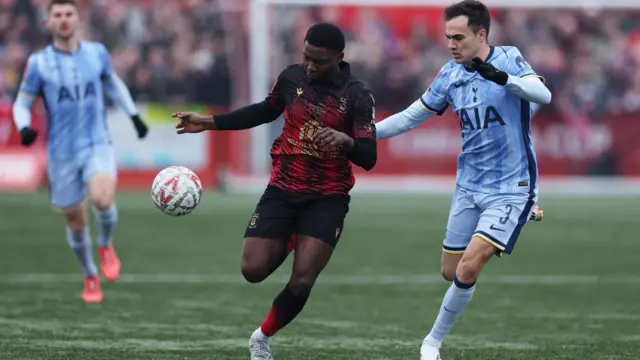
{"points": [[28, 136], [489, 72], [141, 127]]}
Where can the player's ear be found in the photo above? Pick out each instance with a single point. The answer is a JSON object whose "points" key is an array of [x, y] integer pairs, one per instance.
{"points": [[340, 57], [482, 34]]}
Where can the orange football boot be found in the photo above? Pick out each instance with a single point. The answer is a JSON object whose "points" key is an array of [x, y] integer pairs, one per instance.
{"points": [[109, 263], [92, 292]]}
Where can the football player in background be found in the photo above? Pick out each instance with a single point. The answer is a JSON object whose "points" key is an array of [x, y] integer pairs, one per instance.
{"points": [[72, 77]]}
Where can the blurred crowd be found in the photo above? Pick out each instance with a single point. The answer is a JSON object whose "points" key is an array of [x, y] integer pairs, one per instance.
{"points": [[591, 60], [194, 51], [165, 51]]}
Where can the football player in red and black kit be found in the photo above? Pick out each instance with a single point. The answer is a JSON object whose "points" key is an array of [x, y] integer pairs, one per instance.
{"points": [[329, 124]]}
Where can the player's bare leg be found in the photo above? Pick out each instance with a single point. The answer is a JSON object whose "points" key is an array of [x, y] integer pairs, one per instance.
{"points": [[102, 190], [458, 296], [80, 241], [311, 257], [261, 257], [449, 264]]}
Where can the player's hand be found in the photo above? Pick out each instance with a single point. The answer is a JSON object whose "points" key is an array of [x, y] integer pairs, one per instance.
{"points": [[191, 123], [489, 72], [28, 136], [141, 127], [331, 137]]}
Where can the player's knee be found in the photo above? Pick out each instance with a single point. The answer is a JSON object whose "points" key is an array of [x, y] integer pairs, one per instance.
{"points": [[301, 286], [302, 280], [448, 273], [102, 191], [254, 273], [468, 270], [76, 219], [102, 202]]}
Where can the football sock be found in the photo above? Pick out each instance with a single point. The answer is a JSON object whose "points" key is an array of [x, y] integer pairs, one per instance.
{"points": [[80, 242], [106, 223], [455, 301], [285, 308]]}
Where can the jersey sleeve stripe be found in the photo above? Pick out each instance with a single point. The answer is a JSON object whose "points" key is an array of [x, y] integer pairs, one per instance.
{"points": [[430, 109]]}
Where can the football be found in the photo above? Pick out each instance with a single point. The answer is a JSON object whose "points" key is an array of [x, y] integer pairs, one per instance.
{"points": [[176, 190]]}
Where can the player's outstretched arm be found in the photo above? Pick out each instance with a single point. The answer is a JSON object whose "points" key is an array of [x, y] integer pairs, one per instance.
{"points": [[241, 119], [244, 118], [403, 121]]}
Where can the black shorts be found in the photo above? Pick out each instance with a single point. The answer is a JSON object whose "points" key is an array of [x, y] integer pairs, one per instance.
{"points": [[280, 213]]}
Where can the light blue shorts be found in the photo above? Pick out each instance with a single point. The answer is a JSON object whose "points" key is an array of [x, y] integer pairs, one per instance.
{"points": [[496, 218], [68, 179]]}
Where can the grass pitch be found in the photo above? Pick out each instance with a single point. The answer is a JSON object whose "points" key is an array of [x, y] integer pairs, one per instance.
{"points": [[569, 291]]}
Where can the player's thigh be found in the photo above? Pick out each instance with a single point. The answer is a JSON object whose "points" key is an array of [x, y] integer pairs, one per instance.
{"points": [[503, 218], [267, 232], [463, 219], [323, 218], [66, 187], [100, 173]]}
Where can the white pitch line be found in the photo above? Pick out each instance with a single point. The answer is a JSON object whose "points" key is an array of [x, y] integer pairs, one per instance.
{"points": [[330, 279]]}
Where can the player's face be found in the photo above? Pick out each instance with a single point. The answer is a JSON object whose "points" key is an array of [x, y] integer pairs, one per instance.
{"points": [[63, 20], [463, 43], [320, 61]]}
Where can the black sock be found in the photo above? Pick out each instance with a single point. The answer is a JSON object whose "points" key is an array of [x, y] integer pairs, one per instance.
{"points": [[285, 308]]}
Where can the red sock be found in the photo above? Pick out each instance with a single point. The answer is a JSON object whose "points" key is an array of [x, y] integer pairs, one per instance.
{"points": [[270, 325], [291, 244]]}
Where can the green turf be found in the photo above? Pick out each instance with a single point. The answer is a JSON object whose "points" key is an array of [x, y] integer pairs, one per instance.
{"points": [[569, 291]]}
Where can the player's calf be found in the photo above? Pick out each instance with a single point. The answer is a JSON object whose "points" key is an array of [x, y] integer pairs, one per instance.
{"points": [[311, 256], [102, 189], [79, 240]]}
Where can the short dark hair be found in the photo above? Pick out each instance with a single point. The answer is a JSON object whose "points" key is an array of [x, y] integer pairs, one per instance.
{"points": [[475, 11], [325, 35], [61, 2]]}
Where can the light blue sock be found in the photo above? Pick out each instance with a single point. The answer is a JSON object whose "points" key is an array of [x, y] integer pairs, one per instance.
{"points": [[106, 223], [455, 301], [81, 244]]}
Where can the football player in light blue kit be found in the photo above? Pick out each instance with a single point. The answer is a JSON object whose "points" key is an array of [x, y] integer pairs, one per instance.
{"points": [[491, 89], [72, 76]]}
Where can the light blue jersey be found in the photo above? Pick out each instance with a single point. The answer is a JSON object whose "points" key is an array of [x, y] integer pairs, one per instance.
{"points": [[497, 153], [72, 88]]}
